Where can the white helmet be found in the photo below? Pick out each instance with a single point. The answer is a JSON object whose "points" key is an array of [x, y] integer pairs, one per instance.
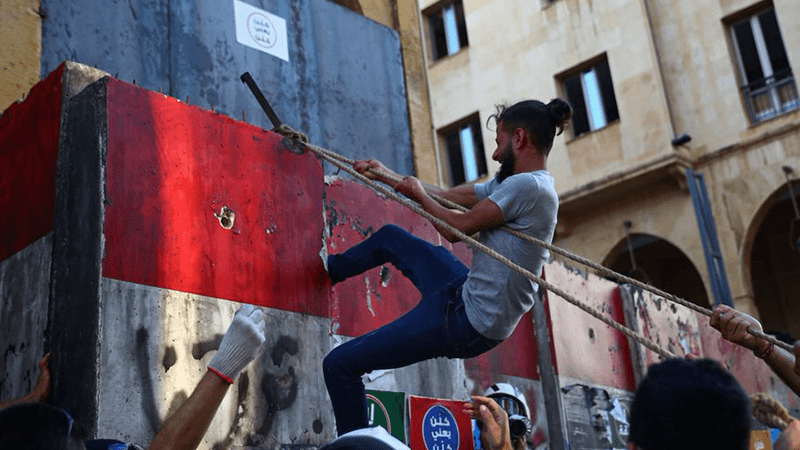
{"points": [[510, 398]]}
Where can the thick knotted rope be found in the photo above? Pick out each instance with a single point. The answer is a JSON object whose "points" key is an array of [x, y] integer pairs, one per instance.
{"points": [[347, 167], [345, 164], [765, 409], [768, 411], [329, 155]]}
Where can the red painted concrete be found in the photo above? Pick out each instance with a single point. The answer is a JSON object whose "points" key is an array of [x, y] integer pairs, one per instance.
{"points": [[353, 211], [585, 347], [517, 356], [753, 373], [361, 304], [28, 150], [171, 167], [672, 326], [675, 327]]}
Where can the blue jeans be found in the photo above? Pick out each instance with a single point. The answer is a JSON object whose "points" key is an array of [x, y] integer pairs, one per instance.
{"points": [[438, 326]]}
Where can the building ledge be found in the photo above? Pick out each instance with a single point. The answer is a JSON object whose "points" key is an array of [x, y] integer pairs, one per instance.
{"points": [[671, 167]]}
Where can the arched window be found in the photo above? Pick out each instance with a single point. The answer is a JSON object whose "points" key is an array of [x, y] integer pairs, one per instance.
{"points": [[660, 264], [775, 266]]}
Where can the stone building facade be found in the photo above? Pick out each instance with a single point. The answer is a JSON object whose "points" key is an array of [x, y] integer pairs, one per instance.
{"points": [[675, 97]]}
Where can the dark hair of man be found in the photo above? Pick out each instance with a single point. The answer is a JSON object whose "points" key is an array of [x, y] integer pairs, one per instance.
{"points": [[37, 426], [690, 404], [540, 121]]}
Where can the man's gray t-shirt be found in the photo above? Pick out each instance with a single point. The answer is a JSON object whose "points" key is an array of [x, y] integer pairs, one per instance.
{"points": [[496, 296]]}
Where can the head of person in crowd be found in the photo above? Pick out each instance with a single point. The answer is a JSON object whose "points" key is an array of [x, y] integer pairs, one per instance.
{"points": [[38, 426], [690, 404], [513, 402]]}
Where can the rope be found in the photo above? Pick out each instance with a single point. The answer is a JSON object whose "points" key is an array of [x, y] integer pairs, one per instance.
{"points": [[768, 411], [291, 133], [765, 409], [336, 161]]}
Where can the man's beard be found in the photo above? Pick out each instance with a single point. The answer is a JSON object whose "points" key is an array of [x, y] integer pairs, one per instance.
{"points": [[506, 164]]}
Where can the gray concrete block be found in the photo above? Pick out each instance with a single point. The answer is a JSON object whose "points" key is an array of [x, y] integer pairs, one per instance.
{"points": [[157, 343], [24, 290]]}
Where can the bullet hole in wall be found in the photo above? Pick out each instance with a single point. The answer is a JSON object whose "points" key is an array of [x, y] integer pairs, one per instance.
{"points": [[226, 217]]}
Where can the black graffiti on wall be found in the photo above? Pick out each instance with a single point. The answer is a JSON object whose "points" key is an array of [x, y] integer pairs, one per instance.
{"points": [[279, 383], [148, 392], [277, 389]]}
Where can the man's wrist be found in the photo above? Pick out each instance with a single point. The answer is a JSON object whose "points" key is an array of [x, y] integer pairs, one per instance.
{"points": [[221, 375], [765, 350]]}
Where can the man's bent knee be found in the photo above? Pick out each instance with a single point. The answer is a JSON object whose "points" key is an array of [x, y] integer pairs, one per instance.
{"points": [[391, 230]]}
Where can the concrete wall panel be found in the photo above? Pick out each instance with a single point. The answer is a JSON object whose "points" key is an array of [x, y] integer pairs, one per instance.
{"points": [[595, 416], [362, 111], [29, 138], [24, 293], [586, 348], [158, 342], [681, 330], [517, 356], [346, 91], [171, 171], [672, 326], [353, 212]]}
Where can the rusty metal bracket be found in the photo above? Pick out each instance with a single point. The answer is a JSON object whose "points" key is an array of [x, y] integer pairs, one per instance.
{"points": [[289, 144], [251, 83]]}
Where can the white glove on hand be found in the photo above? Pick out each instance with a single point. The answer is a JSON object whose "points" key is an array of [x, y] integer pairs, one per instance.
{"points": [[241, 343]]}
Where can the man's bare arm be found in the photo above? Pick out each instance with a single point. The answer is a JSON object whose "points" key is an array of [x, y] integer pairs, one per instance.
{"points": [[463, 194], [241, 343], [733, 325], [40, 391], [485, 214], [185, 429]]}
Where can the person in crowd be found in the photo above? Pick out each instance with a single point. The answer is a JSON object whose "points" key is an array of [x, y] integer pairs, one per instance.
{"points": [[690, 404], [733, 325], [463, 312], [28, 423], [495, 429]]}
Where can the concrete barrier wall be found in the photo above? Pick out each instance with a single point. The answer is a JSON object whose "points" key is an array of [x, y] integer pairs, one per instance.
{"points": [[343, 84], [146, 274], [142, 268], [682, 330], [28, 139]]}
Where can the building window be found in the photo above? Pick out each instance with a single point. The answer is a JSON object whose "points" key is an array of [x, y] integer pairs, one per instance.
{"points": [[466, 159], [767, 82], [590, 92], [448, 29]]}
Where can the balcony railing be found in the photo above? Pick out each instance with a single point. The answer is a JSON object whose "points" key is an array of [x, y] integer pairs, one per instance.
{"points": [[771, 96]]}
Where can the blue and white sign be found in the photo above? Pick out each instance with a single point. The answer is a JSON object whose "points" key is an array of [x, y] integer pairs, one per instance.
{"points": [[261, 30], [439, 429]]}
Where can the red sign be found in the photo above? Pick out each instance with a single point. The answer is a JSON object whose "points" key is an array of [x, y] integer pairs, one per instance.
{"points": [[436, 424]]}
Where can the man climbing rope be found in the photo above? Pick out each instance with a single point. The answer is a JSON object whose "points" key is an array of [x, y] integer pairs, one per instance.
{"points": [[463, 312]]}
